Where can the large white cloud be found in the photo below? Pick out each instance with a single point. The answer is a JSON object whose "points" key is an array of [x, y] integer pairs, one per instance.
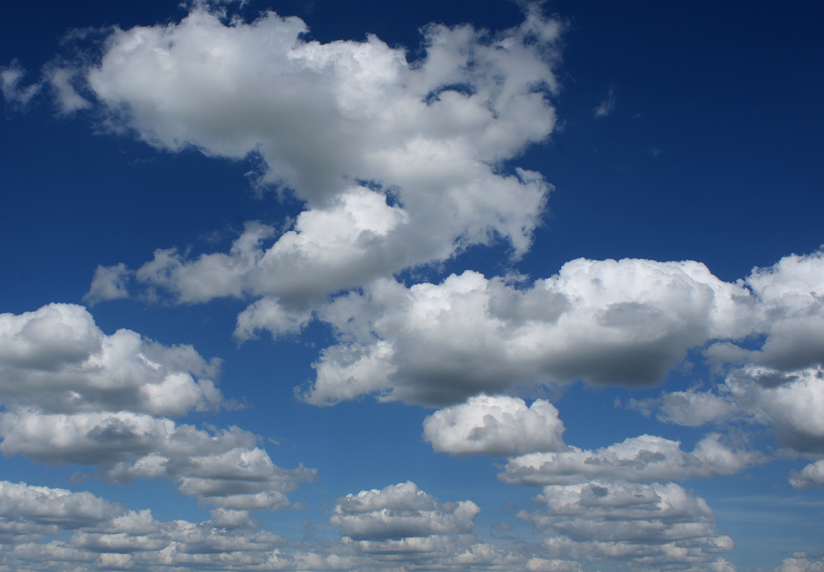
{"points": [[400, 511], [641, 459], [495, 425], [627, 322], [648, 527], [400, 163]]}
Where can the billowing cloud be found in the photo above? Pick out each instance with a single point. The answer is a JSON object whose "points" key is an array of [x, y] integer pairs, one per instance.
{"points": [[400, 163], [495, 425], [649, 527], [626, 321], [74, 395], [641, 459], [56, 359], [400, 511]]}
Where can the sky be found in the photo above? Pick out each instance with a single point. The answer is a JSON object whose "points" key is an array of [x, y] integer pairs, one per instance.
{"points": [[462, 285]]}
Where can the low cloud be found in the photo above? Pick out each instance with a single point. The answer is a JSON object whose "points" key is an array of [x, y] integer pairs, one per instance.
{"points": [[649, 527], [499, 426], [74, 395], [638, 459], [400, 512]]}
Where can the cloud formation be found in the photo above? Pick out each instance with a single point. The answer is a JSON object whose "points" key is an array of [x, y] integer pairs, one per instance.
{"points": [[74, 395], [648, 527], [500, 426], [624, 322], [400, 511], [400, 163], [638, 459]]}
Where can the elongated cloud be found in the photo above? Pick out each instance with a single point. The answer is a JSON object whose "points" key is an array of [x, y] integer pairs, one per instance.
{"points": [[627, 322], [640, 459]]}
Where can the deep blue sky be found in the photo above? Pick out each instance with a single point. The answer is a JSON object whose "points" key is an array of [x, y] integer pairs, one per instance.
{"points": [[709, 149]]}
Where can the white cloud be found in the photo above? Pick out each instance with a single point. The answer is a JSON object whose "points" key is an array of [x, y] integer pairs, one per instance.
{"points": [[49, 528], [626, 322], [74, 395], [622, 322], [13, 93], [606, 107], [800, 563], [109, 283], [400, 164], [400, 511], [57, 359], [495, 425], [224, 468], [811, 476], [641, 459], [649, 527], [788, 401]]}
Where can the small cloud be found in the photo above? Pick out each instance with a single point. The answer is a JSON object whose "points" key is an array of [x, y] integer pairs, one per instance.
{"points": [[606, 107], [655, 151], [109, 283], [10, 85]]}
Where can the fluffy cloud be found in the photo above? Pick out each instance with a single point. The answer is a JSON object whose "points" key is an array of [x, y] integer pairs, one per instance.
{"points": [[790, 402], [400, 163], [400, 512], [625, 321], [649, 527], [56, 359], [74, 395], [499, 426], [48, 528], [641, 459]]}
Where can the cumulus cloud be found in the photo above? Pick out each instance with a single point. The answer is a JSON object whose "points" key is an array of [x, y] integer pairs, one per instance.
{"points": [[811, 476], [74, 395], [789, 402], [56, 359], [640, 459], [400, 511], [50, 528], [648, 526], [495, 425], [626, 322], [400, 163]]}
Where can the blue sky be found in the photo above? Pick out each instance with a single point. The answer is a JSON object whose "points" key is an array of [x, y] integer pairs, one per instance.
{"points": [[436, 286]]}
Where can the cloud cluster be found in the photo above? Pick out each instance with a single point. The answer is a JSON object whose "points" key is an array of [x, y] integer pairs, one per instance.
{"points": [[74, 395], [647, 526], [56, 528]]}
